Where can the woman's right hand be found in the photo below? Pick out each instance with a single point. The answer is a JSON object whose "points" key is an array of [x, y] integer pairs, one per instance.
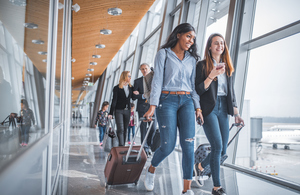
{"points": [[148, 115], [110, 116], [216, 72]]}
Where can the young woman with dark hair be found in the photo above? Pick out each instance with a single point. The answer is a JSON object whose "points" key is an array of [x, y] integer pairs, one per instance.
{"points": [[175, 100], [120, 105], [214, 84]]}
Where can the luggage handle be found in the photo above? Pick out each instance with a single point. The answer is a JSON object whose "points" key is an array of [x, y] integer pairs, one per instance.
{"points": [[125, 151], [235, 125], [145, 139]]}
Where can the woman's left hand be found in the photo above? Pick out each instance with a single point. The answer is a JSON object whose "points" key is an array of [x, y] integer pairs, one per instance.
{"points": [[239, 120], [199, 115]]}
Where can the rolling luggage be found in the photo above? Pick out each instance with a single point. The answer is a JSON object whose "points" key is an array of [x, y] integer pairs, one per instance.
{"points": [[204, 149], [125, 164]]}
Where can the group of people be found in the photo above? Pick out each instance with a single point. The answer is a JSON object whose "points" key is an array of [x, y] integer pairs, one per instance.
{"points": [[124, 110], [184, 88]]}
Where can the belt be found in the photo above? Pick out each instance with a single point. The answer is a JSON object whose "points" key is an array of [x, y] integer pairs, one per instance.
{"points": [[176, 92]]}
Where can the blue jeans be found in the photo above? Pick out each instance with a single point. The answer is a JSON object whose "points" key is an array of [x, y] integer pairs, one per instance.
{"points": [[133, 132], [176, 111], [25, 133], [101, 132], [216, 128]]}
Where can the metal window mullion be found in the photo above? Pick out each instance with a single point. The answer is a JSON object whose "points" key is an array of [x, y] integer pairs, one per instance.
{"points": [[202, 24], [50, 84], [273, 36], [151, 34]]}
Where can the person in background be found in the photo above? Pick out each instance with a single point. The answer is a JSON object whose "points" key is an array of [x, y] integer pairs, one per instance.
{"points": [[120, 106], [132, 123], [214, 85], [26, 118], [175, 100], [142, 107], [102, 119]]}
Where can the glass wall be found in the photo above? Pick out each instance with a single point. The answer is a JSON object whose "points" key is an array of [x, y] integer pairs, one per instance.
{"points": [[23, 54], [270, 142]]}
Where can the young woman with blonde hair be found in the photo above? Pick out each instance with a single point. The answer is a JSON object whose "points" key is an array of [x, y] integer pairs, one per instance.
{"points": [[120, 106]]}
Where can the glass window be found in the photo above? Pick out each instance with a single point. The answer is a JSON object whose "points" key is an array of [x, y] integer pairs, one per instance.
{"points": [[175, 19], [57, 110], [216, 20], [196, 15], [154, 16], [272, 95], [128, 64], [18, 81], [149, 51], [2, 38], [275, 14]]}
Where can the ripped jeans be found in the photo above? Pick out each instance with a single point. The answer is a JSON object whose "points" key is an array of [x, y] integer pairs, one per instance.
{"points": [[176, 111]]}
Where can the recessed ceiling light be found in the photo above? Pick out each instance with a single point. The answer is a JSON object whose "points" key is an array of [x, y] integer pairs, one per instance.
{"points": [[88, 75], [93, 63], [114, 11], [31, 25], [105, 31], [38, 41], [42, 52], [100, 46], [96, 56], [90, 69], [44, 60], [87, 78], [72, 78]]}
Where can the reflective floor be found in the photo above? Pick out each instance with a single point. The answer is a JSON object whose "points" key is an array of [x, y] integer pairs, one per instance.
{"points": [[84, 162]]}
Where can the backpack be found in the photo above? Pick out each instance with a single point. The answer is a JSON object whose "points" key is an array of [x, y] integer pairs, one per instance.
{"points": [[147, 81]]}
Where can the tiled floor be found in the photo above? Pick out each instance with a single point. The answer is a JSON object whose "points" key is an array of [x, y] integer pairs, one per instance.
{"points": [[84, 162]]}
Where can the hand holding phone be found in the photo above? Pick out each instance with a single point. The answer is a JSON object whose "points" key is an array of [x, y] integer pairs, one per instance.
{"points": [[199, 121], [220, 65]]}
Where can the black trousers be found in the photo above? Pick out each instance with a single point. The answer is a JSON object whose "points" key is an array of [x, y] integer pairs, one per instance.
{"points": [[143, 128], [122, 120]]}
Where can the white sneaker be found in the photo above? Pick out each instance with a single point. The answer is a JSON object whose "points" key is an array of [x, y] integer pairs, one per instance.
{"points": [[188, 192], [149, 180]]}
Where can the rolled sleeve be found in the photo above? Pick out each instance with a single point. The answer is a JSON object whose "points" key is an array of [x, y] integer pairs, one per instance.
{"points": [[157, 82]]}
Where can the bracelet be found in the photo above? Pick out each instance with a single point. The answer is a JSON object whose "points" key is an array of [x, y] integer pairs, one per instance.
{"points": [[198, 109], [209, 78], [236, 115]]}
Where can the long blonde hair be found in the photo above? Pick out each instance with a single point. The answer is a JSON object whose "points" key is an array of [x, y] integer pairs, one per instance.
{"points": [[224, 56], [123, 77]]}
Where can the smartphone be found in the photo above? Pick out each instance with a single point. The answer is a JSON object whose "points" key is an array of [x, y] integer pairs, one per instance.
{"points": [[221, 65], [199, 121]]}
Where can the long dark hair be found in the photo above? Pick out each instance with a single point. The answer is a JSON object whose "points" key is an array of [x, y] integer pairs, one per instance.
{"points": [[172, 39]]}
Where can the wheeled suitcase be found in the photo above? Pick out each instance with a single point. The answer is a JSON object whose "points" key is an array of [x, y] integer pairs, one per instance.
{"points": [[125, 164], [204, 149]]}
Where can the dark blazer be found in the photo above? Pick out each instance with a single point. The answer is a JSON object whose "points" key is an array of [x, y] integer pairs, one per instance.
{"points": [[120, 101], [138, 86], [208, 97]]}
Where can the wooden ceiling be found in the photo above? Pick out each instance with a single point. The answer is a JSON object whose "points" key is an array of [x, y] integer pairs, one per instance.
{"points": [[87, 23]]}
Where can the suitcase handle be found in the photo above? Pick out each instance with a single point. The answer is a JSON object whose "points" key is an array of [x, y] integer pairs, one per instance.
{"points": [[235, 125], [125, 151], [145, 139]]}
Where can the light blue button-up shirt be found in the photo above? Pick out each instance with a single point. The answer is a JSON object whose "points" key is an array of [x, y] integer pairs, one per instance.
{"points": [[222, 82], [175, 75]]}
